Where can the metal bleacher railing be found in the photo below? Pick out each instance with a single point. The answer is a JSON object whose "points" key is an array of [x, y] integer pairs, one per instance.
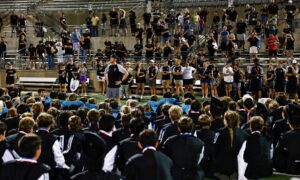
{"points": [[203, 3], [56, 5]]}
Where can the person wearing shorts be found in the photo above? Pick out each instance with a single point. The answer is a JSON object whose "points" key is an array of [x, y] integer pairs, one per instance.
{"points": [[228, 77], [270, 81], [114, 74], [152, 72], [188, 78], [100, 76], [140, 79], [272, 42], [83, 79], [165, 77], [205, 78], [178, 76], [237, 79], [279, 79], [292, 80], [62, 79], [253, 41]]}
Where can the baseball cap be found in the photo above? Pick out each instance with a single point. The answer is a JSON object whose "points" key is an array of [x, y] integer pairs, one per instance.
{"points": [[294, 61]]}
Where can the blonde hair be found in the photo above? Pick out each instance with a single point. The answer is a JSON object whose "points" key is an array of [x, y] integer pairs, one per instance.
{"points": [[232, 120], [204, 120], [125, 110], [175, 113]]}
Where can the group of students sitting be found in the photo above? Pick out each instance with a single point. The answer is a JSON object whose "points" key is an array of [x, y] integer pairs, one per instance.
{"points": [[166, 139]]}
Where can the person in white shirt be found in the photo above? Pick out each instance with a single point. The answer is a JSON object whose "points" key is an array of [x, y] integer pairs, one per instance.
{"points": [[228, 77], [188, 77]]}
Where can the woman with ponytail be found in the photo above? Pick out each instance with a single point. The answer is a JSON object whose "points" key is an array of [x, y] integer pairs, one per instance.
{"points": [[227, 144]]}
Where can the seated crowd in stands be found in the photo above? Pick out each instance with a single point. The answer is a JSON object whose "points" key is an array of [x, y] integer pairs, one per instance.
{"points": [[164, 36]]}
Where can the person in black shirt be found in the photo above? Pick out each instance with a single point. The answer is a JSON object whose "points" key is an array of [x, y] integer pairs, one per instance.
{"points": [[132, 18], [184, 50], [114, 74], [171, 21], [68, 50], [165, 77], [22, 22], [216, 19], [85, 45], [152, 72], [157, 53], [191, 38], [232, 14], [3, 45], [292, 82], [158, 30], [32, 55], [140, 79], [124, 90], [241, 27], [149, 47], [69, 70], [211, 46], [167, 51], [253, 15], [237, 79], [113, 21], [289, 44], [291, 11], [40, 50], [62, 79], [22, 45], [256, 73], [138, 50], [139, 33], [176, 39], [273, 8], [215, 80], [279, 78], [103, 23], [177, 73], [39, 28], [13, 22], [10, 76], [270, 76], [253, 41], [147, 17]]}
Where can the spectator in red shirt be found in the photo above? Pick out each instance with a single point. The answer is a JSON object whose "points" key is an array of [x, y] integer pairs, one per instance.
{"points": [[272, 42]]}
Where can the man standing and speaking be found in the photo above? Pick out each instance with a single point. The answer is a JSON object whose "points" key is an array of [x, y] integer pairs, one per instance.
{"points": [[114, 74]]}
